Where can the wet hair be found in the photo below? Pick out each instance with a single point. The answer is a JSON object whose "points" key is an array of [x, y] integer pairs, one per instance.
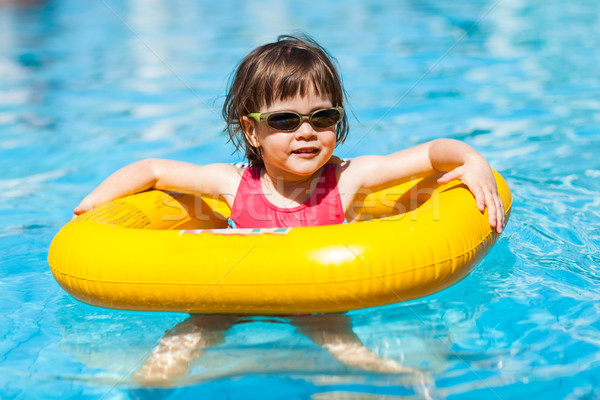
{"points": [[276, 71]]}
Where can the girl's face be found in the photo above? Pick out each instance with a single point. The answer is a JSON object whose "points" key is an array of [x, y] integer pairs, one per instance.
{"points": [[293, 156]]}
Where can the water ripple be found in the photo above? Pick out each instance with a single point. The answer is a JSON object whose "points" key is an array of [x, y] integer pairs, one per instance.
{"points": [[82, 96]]}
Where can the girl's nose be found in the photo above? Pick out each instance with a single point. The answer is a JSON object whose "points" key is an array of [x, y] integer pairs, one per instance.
{"points": [[305, 131]]}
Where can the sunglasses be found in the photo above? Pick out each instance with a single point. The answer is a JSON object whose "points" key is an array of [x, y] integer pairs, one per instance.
{"points": [[289, 121]]}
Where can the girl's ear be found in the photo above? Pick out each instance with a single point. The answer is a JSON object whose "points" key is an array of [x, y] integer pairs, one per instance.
{"points": [[249, 129]]}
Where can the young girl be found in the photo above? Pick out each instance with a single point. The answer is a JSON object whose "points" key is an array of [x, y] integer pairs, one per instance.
{"points": [[285, 109]]}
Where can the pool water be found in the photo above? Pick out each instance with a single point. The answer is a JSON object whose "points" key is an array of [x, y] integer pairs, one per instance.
{"points": [[87, 87]]}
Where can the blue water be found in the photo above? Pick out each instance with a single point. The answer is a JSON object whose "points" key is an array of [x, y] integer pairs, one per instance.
{"points": [[87, 87]]}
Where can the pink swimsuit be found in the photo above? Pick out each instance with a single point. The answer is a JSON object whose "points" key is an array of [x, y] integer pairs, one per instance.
{"points": [[251, 209]]}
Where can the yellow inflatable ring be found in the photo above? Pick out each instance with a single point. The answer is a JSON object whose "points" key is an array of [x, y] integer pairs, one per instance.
{"points": [[165, 252]]}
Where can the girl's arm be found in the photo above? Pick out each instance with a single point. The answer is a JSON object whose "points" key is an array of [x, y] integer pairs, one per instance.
{"points": [[165, 175], [457, 159]]}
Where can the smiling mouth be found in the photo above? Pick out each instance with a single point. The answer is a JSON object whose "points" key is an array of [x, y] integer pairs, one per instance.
{"points": [[305, 151]]}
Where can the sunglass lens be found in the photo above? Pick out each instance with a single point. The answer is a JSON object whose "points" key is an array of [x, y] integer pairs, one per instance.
{"points": [[284, 121], [326, 118]]}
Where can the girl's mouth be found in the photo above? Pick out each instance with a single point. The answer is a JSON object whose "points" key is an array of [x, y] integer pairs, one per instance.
{"points": [[306, 151]]}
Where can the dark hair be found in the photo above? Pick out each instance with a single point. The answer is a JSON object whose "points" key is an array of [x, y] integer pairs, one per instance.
{"points": [[277, 71]]}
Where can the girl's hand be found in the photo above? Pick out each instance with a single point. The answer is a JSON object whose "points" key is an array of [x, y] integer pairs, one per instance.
{"points": [[83, 207], [479, 178]]}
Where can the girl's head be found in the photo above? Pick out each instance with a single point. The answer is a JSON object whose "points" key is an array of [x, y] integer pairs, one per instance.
{"points": [[282, 70]]}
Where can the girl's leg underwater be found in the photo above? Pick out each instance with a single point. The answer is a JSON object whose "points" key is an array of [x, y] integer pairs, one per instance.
{"points": [[181, 345], [334, 333]]}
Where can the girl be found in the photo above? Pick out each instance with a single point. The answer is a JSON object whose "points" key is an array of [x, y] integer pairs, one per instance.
{"points": [[285, 109]]}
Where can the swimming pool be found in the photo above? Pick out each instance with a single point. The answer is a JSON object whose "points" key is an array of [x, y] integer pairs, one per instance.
{"points": [[86, 87]]}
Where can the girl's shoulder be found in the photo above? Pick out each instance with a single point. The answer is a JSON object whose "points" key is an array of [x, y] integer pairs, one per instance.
{"points": [[352, 169], [357, 173], [232, 172], [349, 173], [223, 179], [224, 170]]}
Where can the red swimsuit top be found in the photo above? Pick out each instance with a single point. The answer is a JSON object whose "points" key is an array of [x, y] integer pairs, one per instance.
{"points": [[251, 209]]}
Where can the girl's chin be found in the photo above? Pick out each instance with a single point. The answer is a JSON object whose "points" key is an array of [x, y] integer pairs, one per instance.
{"points": [[300, 166], [307, 170], [301, 170]]}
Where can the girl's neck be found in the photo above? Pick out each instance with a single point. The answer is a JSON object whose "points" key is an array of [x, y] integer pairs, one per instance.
{"points": [[289, 192]]}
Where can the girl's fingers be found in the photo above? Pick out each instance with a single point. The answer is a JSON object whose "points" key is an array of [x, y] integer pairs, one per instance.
{"points": [[496, 212], [495, 209], [84, 206], [501, 214], [79, 210], [480, 198], [485, 197], [450, 176], [491, 207]]}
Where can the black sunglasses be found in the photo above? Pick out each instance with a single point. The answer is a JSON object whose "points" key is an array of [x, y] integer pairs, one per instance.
{"points": [[289, 121]]}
